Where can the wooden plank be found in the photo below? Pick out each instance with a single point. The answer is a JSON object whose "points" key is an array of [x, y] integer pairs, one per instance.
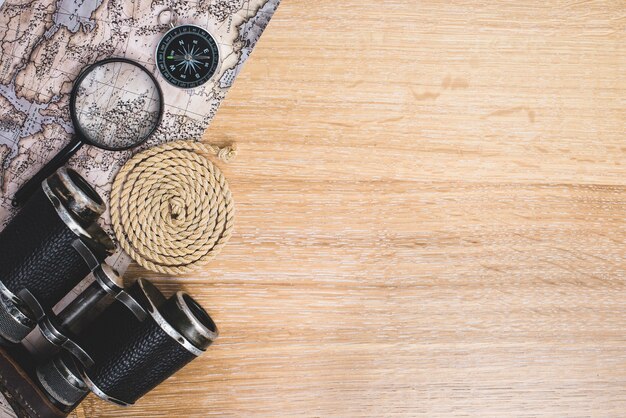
{"points": [[431, 201]]}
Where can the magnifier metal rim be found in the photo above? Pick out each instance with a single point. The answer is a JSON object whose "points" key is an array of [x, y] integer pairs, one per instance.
{"points": [[80, 133]]}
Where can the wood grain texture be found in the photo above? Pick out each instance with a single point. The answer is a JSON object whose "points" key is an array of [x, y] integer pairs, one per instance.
{"points": [[431, 201]]}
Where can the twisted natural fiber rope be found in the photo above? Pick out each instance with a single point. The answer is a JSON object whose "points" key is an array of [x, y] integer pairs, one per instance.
{"points": [[171, 208]]}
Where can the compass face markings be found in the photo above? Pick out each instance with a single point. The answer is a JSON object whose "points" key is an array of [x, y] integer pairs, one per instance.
{"points": [[187, 56]]}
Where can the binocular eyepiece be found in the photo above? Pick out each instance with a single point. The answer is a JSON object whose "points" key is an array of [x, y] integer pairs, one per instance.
{"points": [[132, 354], [117, 343], [50, 246]]}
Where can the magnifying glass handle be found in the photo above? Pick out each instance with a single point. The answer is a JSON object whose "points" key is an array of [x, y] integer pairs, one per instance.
{"points": [[31, 185]]}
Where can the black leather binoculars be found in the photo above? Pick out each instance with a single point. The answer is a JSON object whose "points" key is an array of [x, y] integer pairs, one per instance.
{"points": [[49, 247], [133, 350], [117, 343]]}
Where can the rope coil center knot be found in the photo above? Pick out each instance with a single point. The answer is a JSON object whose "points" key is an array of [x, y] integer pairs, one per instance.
{"points": [[177, 212]]}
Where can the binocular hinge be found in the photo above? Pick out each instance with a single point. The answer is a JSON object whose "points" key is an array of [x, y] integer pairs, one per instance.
{"points": [[59, 339], [51, 332], [31, 301], [134, 306], [85, 252]]}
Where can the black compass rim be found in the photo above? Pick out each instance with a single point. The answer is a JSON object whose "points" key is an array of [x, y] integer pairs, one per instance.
{"points": [[212, 73]]}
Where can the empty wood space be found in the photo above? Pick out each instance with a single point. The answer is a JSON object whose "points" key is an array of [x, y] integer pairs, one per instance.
{"points": [[431, 202]]}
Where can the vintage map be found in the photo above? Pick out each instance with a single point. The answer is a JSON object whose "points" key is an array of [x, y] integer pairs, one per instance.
{"points": [[45, 43]]}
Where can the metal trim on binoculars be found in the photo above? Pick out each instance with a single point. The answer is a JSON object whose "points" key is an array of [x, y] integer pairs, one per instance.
{"points": [[180, 321], [93, 343], [181, 339], [61, 382], [93, 232], [16, 319], [77, 242], [76, 195]]}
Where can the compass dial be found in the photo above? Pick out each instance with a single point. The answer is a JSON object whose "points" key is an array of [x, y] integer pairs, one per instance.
{"points": [[187, 56]]}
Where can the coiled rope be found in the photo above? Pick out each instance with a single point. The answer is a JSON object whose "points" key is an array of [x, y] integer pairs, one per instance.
{"points": [[171, 208]]}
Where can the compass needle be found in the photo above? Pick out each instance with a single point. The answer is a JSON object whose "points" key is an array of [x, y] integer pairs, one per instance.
{"points": [[187, 56]]}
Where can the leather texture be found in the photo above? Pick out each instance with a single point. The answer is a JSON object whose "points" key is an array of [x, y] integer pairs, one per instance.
{"points": [[131, 357], [37, 253]]}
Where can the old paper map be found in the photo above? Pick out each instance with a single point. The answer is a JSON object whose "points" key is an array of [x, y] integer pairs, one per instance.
{"points": [[5, 408], [45, 43]]}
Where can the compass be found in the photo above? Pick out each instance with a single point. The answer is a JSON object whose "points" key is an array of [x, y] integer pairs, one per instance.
{"points": [[187, 56]]}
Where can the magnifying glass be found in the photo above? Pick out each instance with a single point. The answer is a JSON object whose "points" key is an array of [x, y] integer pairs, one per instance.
{"points": [[115, 104]]}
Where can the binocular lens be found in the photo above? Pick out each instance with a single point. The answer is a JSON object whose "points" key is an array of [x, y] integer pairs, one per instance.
{"points": [[132, 357], [119, 344], [49, 247], [75, 194], [62, 380]]}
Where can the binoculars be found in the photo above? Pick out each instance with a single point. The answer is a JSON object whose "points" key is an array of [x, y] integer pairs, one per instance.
{"points": [[118, 343]]}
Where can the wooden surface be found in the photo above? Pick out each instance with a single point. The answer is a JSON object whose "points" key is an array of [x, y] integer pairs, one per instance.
{"points": [[431, 202]]}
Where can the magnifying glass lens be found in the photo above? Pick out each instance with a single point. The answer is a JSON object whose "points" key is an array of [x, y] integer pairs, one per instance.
{"points": [[117, 105]]}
